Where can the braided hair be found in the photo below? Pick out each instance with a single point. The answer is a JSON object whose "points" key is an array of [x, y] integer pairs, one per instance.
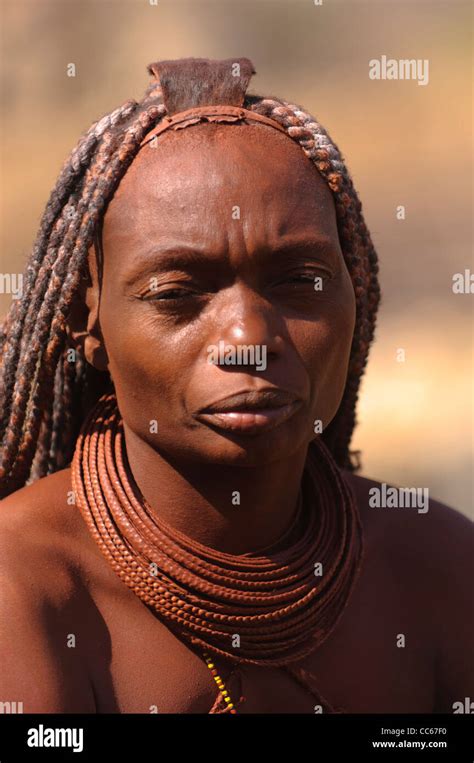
{"points": [[43, 382]]}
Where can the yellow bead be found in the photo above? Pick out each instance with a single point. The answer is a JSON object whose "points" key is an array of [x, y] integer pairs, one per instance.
{"points": [[227, 699], [224, 693]]}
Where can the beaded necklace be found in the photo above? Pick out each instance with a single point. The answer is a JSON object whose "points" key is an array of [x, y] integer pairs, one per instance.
{"points": [[278, 604]]}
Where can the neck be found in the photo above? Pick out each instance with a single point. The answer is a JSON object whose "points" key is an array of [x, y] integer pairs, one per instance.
{"points": [[234, 510]]}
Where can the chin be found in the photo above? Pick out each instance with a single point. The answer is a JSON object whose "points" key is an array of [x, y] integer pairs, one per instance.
{"points": [[235, 449]]}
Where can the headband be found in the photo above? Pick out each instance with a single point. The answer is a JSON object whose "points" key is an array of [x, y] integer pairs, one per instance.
{"points": [[229, 114]]}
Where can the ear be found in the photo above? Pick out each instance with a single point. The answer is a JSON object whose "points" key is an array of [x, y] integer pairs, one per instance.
{"points": [[83, 326]]}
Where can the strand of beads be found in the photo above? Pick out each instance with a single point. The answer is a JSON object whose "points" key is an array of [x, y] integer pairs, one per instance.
{"points": [[220, 683]]}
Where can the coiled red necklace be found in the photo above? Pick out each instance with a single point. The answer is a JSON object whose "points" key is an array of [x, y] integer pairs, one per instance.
{"points": [[270, 608]]}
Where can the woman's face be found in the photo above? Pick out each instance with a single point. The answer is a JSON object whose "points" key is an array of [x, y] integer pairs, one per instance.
{"points": [[224, 236]]}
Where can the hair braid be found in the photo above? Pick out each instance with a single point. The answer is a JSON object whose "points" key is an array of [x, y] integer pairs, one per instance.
{"points": [[35, 336], [41, 388], [44, 252], [72, 168]]}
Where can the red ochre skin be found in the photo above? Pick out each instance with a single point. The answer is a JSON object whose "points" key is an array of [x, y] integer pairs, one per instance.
{"points": [[415, 579]]}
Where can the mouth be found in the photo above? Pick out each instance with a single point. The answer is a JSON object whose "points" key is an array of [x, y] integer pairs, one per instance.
{"points": [[251, 412]]}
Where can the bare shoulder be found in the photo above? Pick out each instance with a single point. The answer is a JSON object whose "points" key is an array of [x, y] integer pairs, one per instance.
{"points": [[411, 522], [428, 547], [38, 525], [42, 503], [38, 581]]}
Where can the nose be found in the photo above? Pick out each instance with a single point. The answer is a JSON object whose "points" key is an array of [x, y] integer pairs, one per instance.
{"points": [[244, 317]]}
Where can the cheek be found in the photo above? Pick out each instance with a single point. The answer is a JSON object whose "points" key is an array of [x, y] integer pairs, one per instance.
{"points": [[145, 362], [324, 346]]}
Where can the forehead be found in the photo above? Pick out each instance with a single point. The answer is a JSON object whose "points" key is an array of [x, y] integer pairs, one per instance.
{"points": [[193, 180]]}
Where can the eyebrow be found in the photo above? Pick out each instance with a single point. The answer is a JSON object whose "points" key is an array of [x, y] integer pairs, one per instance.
{"points": [[181, 257]]}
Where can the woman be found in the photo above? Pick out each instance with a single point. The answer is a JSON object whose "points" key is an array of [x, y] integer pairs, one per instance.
{"points": [[200, 300]]}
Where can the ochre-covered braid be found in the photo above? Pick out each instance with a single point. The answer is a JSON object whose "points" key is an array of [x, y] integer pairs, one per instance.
{"points": [[34, 340], [274, 601]]}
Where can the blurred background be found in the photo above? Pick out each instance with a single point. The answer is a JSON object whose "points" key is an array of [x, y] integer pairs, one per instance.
{"points": [[405, 144]]}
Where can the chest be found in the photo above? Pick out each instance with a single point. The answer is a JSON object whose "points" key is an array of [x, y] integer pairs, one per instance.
{"points": [[376, 660]]}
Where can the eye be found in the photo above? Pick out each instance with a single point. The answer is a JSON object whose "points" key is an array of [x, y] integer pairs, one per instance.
{"points": [[302, 278], [306, 277], [172, 295]]}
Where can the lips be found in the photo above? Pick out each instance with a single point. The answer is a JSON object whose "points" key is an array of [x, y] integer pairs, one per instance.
{"points": [[251, 411], [269, 397]]}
